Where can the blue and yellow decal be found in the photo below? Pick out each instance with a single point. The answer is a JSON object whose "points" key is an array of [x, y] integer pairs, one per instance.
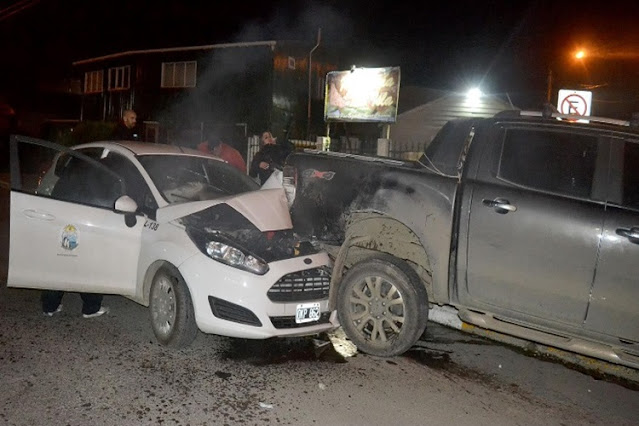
{"points": [[69, 238]]}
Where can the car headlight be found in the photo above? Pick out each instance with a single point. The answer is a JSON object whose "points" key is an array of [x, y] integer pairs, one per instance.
{"points": [[235, 257]]}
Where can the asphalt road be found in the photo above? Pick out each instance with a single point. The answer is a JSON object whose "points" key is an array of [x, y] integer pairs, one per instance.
{"points": [[110, 371], [67, 370]]}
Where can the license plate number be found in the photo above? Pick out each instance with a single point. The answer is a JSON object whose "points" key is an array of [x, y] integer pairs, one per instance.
{"points": [[307, 312]]}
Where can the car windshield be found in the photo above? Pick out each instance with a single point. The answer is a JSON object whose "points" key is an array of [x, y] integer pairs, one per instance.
{"points": [[182, 178]]}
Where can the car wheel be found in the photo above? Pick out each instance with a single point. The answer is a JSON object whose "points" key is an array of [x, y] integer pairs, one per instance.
{"points": [[172, 315], [382, 306]]}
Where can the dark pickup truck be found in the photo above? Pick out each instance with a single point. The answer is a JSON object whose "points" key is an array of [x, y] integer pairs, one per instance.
{"points": [[525, 223]]}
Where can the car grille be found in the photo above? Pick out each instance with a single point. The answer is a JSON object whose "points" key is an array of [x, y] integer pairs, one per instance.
{"points": [[311, 284], [232, 312], [289, 322]]}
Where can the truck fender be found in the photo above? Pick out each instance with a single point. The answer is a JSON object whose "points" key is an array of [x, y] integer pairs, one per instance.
{"points": [[374, 234]]}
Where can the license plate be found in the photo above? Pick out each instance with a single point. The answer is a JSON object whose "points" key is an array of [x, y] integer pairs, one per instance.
{"points": [[307, 312]]}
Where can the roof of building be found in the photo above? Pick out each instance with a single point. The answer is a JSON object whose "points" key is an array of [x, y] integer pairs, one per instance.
{"points": [[269, 43], [419, 124]]}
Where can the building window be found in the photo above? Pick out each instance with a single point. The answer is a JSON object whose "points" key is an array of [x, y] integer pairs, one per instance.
{"points": [[119, 78], [179, 74], [93, 81], [291, 62]]}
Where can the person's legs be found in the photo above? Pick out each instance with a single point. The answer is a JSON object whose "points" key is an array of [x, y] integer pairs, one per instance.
{"points": [[91, 303], [51, 300]]}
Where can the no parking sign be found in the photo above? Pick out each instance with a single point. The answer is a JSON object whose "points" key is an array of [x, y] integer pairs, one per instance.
{"points": [[577, 102]]}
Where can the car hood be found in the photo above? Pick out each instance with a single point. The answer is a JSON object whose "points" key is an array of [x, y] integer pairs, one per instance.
{"points": [[267, 209]]}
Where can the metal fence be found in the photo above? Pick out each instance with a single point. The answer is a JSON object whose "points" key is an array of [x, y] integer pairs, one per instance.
{"points": [[407, 151], [403, 151], [253, 145]]}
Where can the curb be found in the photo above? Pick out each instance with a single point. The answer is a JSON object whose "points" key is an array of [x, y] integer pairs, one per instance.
{"points": [[447, 316]]}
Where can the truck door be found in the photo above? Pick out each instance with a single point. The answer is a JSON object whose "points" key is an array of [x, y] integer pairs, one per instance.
{"points": [[535, 221], [614, 307]]}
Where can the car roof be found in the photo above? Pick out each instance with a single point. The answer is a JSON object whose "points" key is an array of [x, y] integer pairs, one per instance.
{"points": [[148, 148]]}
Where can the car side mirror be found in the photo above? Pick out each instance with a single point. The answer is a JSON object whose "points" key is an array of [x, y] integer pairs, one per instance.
{"points": [[128, 206]]}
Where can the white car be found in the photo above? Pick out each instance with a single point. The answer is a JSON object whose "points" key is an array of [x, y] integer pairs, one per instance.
{"points": [[174, 229]]}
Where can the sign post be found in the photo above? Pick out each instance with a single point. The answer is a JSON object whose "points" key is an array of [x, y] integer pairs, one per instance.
{"points": [[576, 102]]}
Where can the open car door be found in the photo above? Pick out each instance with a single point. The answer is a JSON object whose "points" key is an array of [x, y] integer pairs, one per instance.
{"points": [[72, 227]]}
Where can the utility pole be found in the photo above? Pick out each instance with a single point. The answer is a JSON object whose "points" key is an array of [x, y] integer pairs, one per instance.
{"points": [[16, 7], [549, 88], [310, 74]]}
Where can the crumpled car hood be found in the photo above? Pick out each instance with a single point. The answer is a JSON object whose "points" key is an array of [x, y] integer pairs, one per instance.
{"points": [[224, 223], [267, 209]]}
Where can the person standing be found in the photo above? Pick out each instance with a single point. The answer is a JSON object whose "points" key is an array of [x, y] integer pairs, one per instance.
{"points": [[126, 129], [91, 304], [218, 147], [268, 158]]}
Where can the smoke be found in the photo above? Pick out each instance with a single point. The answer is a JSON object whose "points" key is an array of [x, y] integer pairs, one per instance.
{"points": [[234, 82]]}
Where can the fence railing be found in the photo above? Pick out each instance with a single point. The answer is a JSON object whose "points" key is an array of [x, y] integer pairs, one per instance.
{"points": [[403, 151]]}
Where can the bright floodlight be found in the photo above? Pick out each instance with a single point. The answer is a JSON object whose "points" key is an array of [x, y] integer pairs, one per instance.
{"points": [[580, 54], [474, 94]]}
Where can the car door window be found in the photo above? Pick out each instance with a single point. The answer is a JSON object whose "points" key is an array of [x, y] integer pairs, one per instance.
{"points": [[136, 186], [554, 161], [82, 182], [49, 170], [31, 163]]}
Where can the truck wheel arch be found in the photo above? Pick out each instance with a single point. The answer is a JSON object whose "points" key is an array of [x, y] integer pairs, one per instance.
{"points": [[372, 234]]}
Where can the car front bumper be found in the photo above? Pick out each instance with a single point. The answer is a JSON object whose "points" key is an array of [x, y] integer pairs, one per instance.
{"points": [[235, 303]]}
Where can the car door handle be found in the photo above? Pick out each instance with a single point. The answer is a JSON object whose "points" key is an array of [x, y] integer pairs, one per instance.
{"points": [[632, 234], [34, 214], [501, 205]]}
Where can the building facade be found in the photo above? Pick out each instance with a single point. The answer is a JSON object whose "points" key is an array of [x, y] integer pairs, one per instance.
{"points": [[180, 94]]}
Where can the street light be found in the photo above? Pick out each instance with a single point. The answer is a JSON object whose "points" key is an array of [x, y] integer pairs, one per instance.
{"points": [[580, 54]]}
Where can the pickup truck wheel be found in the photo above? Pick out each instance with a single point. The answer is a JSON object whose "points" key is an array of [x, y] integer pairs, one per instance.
{"points": [[382, 306], [172, 315]]}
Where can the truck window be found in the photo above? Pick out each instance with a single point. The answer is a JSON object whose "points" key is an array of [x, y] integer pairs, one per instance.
{"points": [[554, 161], [630, 188]]}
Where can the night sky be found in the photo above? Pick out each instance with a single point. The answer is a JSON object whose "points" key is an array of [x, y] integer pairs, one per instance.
{"points": [[502, 46]]}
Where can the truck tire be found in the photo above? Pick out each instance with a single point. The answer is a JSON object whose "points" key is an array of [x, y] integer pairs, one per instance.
{"points": [[382, 306], [171, 309]]}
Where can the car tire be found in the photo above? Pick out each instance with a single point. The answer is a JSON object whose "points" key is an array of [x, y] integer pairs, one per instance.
{"points": [[171, 309], [382, 306]]}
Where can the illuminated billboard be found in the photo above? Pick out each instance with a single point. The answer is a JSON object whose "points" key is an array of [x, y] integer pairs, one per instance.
{"points": [[362, 95]]}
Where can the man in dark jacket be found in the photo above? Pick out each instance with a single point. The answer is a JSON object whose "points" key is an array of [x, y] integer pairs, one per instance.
{"points": [[126, 128], [268, 158]]}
